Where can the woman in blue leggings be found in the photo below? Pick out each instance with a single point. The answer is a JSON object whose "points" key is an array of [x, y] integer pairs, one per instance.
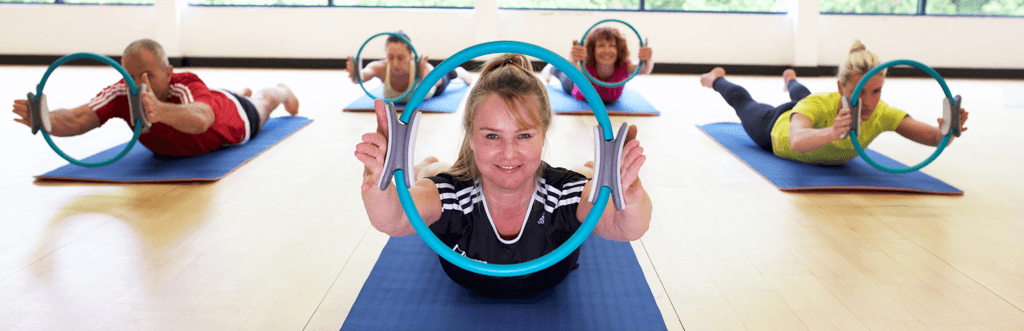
{"points": [[757, 118], [810, 127]]}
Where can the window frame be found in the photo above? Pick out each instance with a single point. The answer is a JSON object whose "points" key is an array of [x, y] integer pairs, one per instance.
{"points": [[921, 11], [922, 8], [61, 2], [330, 4], [643, 9]]}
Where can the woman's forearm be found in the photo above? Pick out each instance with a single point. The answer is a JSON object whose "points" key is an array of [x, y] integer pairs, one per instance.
{"points": [[806, 140], [384, 210], [648, 68], [634, 220]]}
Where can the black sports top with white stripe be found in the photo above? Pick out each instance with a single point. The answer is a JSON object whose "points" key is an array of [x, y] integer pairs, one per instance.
{"points": [[465, 226]]}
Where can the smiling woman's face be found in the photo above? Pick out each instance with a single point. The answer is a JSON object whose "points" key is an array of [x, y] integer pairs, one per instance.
{"points": [[606, 51], [507, 155]]}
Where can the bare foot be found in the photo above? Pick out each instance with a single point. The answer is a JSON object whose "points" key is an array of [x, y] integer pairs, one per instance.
{"points": [[246, 92], [787, 76], [464, 75], [291, 103], [545, 73], [708, 79], [430, 167]]}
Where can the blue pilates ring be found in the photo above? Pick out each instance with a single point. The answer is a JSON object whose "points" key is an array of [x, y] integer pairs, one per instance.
{"points": [[359, 63], [945, 139], [504, 270], [133, 89], [598, 81]]}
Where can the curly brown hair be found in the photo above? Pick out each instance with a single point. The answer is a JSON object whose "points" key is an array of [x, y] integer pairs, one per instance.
{"points": [[609, 34]]}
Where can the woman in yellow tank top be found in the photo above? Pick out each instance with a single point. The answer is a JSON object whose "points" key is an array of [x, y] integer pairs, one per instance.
{"points": [[399, 71], [808, 128]]}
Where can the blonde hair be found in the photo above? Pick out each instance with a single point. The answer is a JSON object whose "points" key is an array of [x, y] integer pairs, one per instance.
{"points": [[859, 62], [150, 45], [509, 76]]}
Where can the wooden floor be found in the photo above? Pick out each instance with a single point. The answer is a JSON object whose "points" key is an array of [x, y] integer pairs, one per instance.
{"points": [[283, 242]]}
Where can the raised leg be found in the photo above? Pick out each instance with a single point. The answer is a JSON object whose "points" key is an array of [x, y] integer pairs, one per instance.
{"points": [[796, 90], [757, 119], [267, 99]]}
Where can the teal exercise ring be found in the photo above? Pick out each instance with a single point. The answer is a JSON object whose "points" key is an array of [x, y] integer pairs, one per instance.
{"points": [[133, 89], [504, 270], [854, 100], [359, 63], [603, 83]]}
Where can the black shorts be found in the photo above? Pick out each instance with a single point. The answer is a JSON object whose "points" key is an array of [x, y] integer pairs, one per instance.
{"points": [[250, 112]]}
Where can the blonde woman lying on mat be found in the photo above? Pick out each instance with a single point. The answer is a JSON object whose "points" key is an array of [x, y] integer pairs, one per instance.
{"points": [[500, 203], [809, 128]]}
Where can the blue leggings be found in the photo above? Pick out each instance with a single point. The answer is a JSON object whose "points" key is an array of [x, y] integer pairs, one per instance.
{"points": [[567, 83], [758, 119], [447, 78]]}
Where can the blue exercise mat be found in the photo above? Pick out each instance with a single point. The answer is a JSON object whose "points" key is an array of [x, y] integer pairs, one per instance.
{"points": [[140, 165], [855, 175], [408, 290], [631, 103], [447, 102]]}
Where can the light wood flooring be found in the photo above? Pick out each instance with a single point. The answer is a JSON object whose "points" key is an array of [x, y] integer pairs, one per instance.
{"points": [[283, 243]]}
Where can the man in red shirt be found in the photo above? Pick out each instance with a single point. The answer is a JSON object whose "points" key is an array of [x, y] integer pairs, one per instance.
{"points": [[187, 117]]}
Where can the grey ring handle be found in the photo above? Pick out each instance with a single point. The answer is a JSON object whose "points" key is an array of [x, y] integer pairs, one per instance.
{"points": [[608, 169], [401, 140]]}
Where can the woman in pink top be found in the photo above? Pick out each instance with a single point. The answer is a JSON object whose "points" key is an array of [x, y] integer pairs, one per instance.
{"points": [[605, 57]]}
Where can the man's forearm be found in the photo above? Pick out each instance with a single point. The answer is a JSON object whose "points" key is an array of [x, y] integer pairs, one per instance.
{"points": [[193, 118], [72, 122]]}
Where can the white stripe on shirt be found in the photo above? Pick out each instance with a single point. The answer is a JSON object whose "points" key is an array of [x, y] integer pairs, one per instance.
{"points": [[108, 94], [185, 94]]}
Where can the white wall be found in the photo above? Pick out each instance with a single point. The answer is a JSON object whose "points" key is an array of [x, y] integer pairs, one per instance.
{"points": [[60, 30], [962, 42], [676, 37]]}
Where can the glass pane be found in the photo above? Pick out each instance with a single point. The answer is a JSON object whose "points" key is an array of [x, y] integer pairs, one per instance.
{"points": [[571, 4], [760, 6], [342, 3], [406, 3], [905, 7], [261, 2], [110, 2], [976, 7]]}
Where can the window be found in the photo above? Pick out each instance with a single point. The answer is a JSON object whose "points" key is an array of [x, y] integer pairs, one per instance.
{"points": [[752, 6], [107, 2], [759, 6], [925, 7], [975, 7], [571, 4], [406, 3], [895, 7], [84, 2], [260, 2], [342, 3]]}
